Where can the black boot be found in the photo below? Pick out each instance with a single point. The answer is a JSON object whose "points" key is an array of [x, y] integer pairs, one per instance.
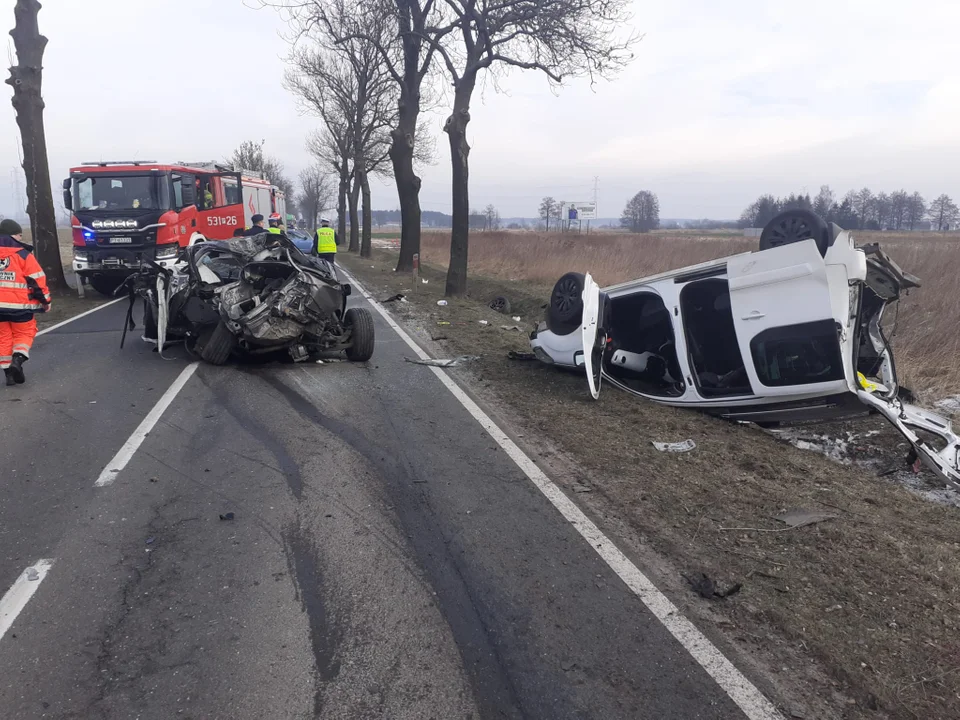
{"points": [[9, 376], [16, 368]]}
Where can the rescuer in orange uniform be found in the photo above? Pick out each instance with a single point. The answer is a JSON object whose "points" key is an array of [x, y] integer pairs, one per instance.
{"points": [[23, 292]]}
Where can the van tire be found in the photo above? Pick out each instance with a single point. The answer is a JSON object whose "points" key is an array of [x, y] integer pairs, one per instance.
{"points": [[793, 226], [217, 348], [360, 322], [500, 304], [566, 304]]}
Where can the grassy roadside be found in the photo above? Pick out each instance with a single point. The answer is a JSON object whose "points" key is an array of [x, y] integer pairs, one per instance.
{"points": [[854, 617]]}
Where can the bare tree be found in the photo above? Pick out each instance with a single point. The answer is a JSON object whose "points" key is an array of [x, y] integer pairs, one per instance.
{"points": [[396, 31], [898, 208], [547, 208], [250, 156], [642, 212], [823, 203], [881, 210], [491, 218], [561, 38], [916, 210], [26, 80], [347, 84], [316, 192], [943, 213], [863, 206]]}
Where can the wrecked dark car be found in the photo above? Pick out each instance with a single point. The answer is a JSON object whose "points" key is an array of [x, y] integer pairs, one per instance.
{"points": [[250, 296]]}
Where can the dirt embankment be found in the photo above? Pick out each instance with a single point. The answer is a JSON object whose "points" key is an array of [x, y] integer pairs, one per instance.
{"points": [[852, 617]]}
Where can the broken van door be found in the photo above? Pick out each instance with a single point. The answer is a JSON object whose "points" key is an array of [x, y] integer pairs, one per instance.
{"points": [[788, 337], [594, 340]]}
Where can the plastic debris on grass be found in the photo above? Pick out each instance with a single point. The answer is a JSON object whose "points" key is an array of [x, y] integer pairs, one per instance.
{"points": [[443, 362], [675, 447]]}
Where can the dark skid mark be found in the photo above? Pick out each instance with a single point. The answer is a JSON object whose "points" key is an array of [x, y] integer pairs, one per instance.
{"points": [[265, 434], [460, 600], [324, 637]]}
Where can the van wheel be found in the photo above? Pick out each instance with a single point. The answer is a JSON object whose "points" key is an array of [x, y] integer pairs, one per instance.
{"points": [[793, 226], [566, 304], [105, 284], [219, 345], [360, 322], [501, 304]]}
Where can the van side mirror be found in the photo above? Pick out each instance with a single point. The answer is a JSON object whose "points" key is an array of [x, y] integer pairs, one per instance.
{"points": [[188, 189], [347, 290], [67, 196]]}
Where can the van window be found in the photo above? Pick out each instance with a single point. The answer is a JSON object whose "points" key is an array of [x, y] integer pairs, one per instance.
{"points": [[798, 354]]}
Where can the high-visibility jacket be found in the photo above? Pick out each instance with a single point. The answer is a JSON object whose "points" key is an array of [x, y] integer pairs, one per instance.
{"points": [[326, 240], [275, 231], [23, 285]]}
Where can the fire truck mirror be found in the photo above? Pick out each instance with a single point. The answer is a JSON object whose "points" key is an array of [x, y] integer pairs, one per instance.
{"points": [[67, 197], [188, 185]]}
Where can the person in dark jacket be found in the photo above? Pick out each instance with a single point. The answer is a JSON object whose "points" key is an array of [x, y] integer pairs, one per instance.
{"points": [[257, 228], [23, 292]]}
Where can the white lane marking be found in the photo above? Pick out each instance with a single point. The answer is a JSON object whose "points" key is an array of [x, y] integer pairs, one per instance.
{"points": [[745, 694], [126, 452], [77, 317], [16, 598]]}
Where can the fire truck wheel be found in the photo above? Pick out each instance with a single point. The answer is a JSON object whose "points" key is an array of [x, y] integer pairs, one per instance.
{"points": [[218, 346], [105, 284]]}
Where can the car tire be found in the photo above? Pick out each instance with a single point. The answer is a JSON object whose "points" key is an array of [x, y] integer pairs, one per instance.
{"points": [[217, 348], [501, 304], [793, 226], [105, 284], [566, 304], [360, 322]]}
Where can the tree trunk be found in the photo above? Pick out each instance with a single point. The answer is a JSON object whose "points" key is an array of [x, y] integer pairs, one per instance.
{"points": [[456, 129], [407, 181], [354, 200], [343, 190], [365, 244], [26, 80]]}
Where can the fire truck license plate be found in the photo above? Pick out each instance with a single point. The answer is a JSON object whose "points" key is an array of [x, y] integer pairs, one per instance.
{"points": [[121, 240]]}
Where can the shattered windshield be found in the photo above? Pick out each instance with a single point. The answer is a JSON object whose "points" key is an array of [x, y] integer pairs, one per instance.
{"points": [[127, 192]]}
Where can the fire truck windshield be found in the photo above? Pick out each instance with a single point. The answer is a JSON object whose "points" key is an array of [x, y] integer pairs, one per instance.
{"points": [[125, 192]]}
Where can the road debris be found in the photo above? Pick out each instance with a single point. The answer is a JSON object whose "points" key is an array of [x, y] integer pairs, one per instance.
{"points": [[424, 281], [443, 362], [523, 356], [581, 488], [442, 322], [32, 574], [442, 303], [484, 322], [706, 588], [675, 447], [516, 318], [511, 327], [395, 298], [800, 518], [227, 516]]}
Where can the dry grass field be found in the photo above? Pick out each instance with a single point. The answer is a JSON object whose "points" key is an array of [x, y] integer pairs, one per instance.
{"points": [[924, 331]]}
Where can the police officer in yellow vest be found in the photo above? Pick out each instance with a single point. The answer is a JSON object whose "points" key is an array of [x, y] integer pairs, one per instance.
{"points": [[275, 224], [326, 241]]}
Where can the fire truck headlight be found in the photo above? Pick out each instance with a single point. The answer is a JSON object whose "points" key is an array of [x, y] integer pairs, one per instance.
{"points": [[81, 255], [165, 252]]}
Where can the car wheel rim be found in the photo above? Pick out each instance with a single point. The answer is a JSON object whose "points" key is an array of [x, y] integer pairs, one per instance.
{"points": [[497, 304], [565, 296], [790, 230]]}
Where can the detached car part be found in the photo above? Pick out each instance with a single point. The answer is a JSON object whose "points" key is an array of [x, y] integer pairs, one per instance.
{"points": [[790, 332]]}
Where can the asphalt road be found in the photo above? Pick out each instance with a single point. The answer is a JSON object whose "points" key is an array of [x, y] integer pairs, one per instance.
{"points": [[386, 558]]}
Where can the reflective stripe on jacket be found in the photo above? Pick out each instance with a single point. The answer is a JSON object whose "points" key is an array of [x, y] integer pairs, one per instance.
{"points": [[275, 231], [23, 284], [326, 240]]}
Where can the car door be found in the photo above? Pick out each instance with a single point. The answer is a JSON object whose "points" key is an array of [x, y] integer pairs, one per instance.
{"points": [[789, 339], [592, 335]]}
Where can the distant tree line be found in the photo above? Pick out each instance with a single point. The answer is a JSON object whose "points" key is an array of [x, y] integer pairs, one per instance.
{"points": [[642, 213], [861, 210]]}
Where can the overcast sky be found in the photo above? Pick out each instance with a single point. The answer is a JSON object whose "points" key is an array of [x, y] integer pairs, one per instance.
{"points": [[723, 101]]}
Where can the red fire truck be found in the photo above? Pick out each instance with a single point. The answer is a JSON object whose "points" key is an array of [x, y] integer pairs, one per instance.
{"points": [[129, 211]]}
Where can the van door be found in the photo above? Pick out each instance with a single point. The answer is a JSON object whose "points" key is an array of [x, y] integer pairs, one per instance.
{"points": [[593, 337], [788, 336]]}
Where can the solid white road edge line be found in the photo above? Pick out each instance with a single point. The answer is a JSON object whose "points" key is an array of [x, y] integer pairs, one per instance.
{"points": [[77, 317], [120, 460], [16, 598], [745, 694]]}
